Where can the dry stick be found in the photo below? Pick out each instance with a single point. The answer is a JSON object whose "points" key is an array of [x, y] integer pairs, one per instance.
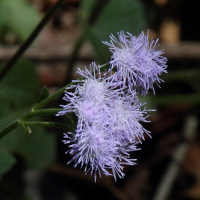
{"points": [[171, 173], [183, 52], [31, 38]]}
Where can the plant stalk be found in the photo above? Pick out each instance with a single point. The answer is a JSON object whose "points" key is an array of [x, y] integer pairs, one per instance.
{"points": [[50, 13]]}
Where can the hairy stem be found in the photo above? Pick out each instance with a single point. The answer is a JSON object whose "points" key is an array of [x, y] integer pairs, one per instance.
{"points": [[9, 128], [29, 115], [36, 111], [33, 113], [46, 124]]}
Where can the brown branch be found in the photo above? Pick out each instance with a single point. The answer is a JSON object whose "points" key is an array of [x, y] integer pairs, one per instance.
{"points": [[183, 51], [45, 53], [61, 52]]}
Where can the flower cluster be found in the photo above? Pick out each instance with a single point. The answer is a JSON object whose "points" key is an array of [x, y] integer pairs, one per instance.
{"points": [[108, 109], [137, 62]]}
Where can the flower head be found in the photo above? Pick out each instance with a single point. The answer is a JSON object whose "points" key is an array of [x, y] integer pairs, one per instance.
{"points": [[98, 151], [127, 116], [137, 61], [91, 97], [108, 126]]}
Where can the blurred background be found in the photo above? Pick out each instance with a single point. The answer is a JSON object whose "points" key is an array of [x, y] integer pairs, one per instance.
{"points": [[33, 167]]}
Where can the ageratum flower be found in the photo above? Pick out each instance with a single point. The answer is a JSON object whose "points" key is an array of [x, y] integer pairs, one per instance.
{"points": [[91, 97], [127, 117], [98, 151], [137, 61], [108, 126]]}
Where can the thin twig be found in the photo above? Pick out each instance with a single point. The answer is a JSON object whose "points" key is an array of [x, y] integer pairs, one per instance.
{"points": [[95, 14], [31, 38], [171, 173], [9, 128], [27, 116]]}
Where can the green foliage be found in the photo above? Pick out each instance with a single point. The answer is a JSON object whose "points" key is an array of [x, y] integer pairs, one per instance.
{"points": [[119, 15], [126, 15], [44, 95], [18, 16], [6, 160], [19, 91], [37, 149], [87, 6]]}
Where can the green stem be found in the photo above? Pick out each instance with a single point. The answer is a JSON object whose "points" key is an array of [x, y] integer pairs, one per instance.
{"points": [[48, 99], [9, 128], [29, 115], [74, 54], [33, 113], [46, 124], [95, 14], [36, 111], [31, 38], [53, 96]]}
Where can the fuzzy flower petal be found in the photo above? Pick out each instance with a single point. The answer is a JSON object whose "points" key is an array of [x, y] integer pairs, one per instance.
{"points": [[127, 116], [137, 61], [108, 126], [98, 153], [91, 97]]}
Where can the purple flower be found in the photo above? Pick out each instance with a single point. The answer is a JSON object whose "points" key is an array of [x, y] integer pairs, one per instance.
{"points": [[127, 116], [95, 149], [108, 126], [91, 97], [137, 61]]}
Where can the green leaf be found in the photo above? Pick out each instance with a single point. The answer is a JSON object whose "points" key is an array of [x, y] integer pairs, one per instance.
{"points": [[18, 93], [18, 15], [20, 88], [126, 15], [37, 149], [119, 15], [6, 160], [102, 53], [44, 95]]}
